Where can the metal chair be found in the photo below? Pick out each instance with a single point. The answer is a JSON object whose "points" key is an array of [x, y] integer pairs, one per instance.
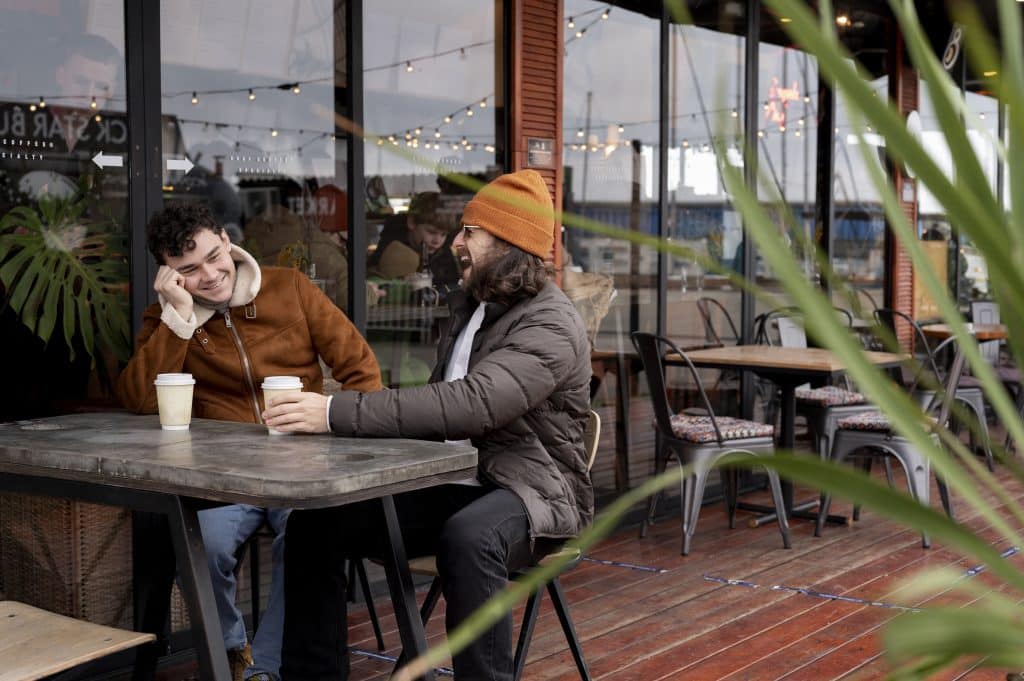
{"points": [[700, 441], [709, 309], [871, 433], [968, 389], [427, 565]]}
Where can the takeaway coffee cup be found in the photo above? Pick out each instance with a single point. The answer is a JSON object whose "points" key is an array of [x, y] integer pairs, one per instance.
{"points": [[174, 400], [274, 386]]}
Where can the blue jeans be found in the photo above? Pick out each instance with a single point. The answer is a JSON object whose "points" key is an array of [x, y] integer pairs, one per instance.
{"points": [[224, 531]]}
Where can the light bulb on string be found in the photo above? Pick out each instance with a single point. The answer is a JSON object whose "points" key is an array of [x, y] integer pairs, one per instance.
{"points": [[97, 118], [437, 133], [579, 33], [296, 89], [273, 132], [483, 103], [579, 133], [418, 130], [42, 103], [572, 24], [252, 95], [604, 14], [32, 107], [93, 104], [448, 119], [622, 128], [408, 67], [195, 98], [469, 111], [464, 141], [734, 113]]}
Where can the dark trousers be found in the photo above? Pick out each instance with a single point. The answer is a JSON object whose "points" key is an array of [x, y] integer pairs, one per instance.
{"points": [[478, 534]]}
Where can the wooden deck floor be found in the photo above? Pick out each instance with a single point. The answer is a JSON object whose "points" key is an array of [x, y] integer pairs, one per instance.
{"points": [[736, 608]]}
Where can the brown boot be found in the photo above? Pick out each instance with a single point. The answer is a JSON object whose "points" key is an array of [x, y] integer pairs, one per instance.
{"points": [[238, 660]]}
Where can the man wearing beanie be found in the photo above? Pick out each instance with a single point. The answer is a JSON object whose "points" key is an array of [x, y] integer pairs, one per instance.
{"points": [[513, 376]]}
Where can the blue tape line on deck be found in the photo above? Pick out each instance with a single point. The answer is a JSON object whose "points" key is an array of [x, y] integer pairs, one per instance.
{"points": [[388, 658], [970, 572], [808, 592], [628, 566]]}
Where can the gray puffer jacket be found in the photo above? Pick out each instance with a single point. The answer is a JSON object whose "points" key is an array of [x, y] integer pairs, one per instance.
{"points": [[524, 404]]}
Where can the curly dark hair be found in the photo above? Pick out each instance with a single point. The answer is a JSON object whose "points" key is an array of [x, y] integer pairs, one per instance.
{"points": [[512, 275], [171, 231]]}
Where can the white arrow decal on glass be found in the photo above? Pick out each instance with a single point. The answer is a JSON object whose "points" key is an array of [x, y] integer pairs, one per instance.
{"points": [[107, 160], [179, 164]]}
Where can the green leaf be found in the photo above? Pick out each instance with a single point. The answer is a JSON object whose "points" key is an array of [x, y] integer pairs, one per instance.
{"points": [[50, 303], [69, 310], [85, 327]]}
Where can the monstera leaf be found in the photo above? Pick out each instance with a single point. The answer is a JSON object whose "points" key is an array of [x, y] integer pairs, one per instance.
{"points": [[61, 274]]}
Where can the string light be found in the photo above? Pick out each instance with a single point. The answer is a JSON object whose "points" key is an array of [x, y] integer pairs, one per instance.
{"points": [[483, 103], [469, 111], [447, 119], [93, 104], [572, 24], [408, 67], [579, 133], [734, 113], [273, 132], [252, 95], [296, 89], [32, 107], [604, 14], [464, 141], [686, 144], [97, 118], [418, 130], [579, 33], [622, 128], [437, 133], [195, 98], [42, 103]]}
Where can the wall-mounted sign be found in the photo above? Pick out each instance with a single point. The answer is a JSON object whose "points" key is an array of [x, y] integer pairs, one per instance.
{"points": [[952, 52], [540, 152]]}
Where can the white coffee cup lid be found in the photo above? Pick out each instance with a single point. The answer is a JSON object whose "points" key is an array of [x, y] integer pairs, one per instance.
{"points": [[282, 382], [174, 379]]}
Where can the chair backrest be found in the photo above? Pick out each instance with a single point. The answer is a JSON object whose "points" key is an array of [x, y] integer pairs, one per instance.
{"points": [[888, 317], [709, 308], [942, 380], [791, 332], [986, 312], [652, 349], [591, 435]]}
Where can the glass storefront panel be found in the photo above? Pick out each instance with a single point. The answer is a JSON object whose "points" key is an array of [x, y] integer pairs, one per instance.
{"points": [[64, 317], [706, 76], [858, 227], [610, 173], [249, 101], [787, 136], [433, 108]]}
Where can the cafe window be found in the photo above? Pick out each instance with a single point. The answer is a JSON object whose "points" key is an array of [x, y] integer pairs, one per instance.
{"points": [[706, 77], [64, 317], [250, 121], [433, 111]]}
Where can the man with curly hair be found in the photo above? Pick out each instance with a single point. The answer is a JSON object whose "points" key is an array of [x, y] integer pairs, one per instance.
{"points": [[230, 323]]}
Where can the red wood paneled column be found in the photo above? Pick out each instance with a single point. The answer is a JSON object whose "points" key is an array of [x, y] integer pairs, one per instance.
{"points": [[899, 270], [536, 92]]}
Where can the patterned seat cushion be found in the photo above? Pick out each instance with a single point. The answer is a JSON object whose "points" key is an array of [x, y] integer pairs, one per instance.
{"points": [[698, 429], [829, 396], [868, 420]]}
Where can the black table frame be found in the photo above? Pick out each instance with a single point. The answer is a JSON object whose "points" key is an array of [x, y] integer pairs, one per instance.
{"points": [[176, 542]]}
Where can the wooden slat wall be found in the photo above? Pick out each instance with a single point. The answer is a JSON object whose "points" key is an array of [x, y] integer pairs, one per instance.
{"points": [[536, 92], [903, 91]]}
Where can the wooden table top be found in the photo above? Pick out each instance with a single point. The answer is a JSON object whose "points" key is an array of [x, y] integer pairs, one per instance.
{"points": [[226, 461], [774, 357], [982, 332]]}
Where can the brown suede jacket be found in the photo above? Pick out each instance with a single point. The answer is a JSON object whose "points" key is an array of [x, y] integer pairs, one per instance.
{"points": [[278, 323]]}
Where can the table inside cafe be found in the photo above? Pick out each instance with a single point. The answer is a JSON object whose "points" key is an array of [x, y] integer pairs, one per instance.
{"points": [[126, 460]]}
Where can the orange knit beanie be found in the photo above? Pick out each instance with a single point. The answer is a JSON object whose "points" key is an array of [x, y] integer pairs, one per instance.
{"points": [[517, 208]]}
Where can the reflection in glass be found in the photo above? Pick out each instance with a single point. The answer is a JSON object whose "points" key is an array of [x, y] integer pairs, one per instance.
{"points": [[250, 100], [63, 207], [433, 106]]}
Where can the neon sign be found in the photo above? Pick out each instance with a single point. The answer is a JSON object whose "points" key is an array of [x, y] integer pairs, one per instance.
{"points": [[778, 101]]}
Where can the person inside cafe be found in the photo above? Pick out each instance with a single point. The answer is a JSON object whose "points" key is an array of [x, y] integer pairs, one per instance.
{"points": [[230, 323], [513, 378], [418, 242]]}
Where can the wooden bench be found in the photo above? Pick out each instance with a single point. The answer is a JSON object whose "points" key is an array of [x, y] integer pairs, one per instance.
{"points": [[36, 643]]}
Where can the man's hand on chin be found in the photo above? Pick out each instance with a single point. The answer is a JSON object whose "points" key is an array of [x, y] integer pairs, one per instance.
{"points": [[297, 413]]}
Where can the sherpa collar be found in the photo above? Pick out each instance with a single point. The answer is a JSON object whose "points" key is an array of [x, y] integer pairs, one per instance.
{"points": [[248, 279]]}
